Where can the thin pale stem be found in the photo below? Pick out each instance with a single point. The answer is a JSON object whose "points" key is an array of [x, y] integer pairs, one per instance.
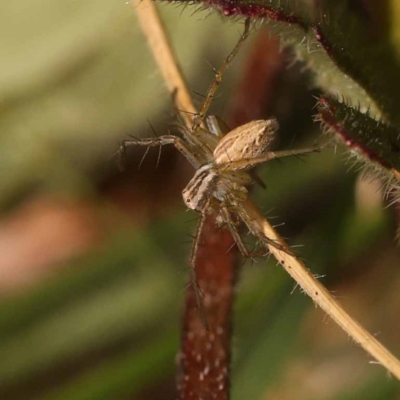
{"points": [[320, 295], [166, 60]]}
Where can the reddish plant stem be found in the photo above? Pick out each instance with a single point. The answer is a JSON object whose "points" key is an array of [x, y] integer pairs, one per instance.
{"points": [[206, 355], [248, 9]]}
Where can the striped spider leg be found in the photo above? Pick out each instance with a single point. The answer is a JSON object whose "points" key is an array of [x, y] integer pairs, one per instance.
{"points": [[199, 118]]}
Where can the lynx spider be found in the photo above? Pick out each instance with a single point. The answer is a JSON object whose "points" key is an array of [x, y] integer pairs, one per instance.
{"points": [[222, 159]]}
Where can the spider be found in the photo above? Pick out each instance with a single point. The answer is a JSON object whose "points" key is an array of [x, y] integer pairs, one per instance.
{"points": [[223, 159]]}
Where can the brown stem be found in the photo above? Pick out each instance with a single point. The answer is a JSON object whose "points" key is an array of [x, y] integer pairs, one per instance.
{"points": [[206, 354]]}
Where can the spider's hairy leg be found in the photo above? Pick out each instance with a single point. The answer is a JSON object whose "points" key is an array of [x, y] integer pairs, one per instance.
{"points": [[247, 163], [256, 178], [198, 120], [253, 228], [185, 149], [193, 274], [236, 235]]}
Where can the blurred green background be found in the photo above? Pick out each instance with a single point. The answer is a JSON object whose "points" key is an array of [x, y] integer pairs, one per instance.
{"points": [[93, 260]]}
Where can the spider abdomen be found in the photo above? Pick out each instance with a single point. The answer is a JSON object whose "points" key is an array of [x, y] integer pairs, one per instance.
{"points": [[247, 141]]}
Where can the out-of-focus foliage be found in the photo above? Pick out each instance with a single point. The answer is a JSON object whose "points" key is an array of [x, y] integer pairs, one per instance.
{"points": [[77, 77], [103, 322]]}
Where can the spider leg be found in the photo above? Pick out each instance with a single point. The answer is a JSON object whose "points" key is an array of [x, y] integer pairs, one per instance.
{"points": [[198, 120], [236, 235], [188, 152], [247, 163], [256, 178], [254, 230], [193, 275]]}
